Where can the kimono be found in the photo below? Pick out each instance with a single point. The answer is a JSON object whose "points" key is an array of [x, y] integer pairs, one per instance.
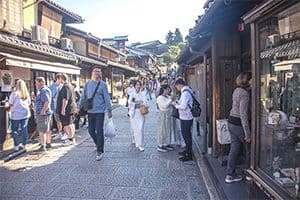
{"points": [[137, 120], [164, 123]]}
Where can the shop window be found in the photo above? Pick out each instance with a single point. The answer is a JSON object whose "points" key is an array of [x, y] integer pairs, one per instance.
{"points": [[279, 105]]}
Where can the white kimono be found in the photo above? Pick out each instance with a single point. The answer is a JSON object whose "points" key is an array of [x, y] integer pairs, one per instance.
{"points": [[137, 120]]}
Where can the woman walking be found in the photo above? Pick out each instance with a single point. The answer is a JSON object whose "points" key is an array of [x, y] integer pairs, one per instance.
{"points": [[136, 100], [238, 125], [165, 129], [19, 102]]}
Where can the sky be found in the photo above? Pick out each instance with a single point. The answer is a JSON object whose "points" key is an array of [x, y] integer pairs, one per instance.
{"points": [[141, 20]]}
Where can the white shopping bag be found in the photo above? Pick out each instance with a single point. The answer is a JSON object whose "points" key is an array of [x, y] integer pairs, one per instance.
{"points": [[223, 131], [110, 129]]}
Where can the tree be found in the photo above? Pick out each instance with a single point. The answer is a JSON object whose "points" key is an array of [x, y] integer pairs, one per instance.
{"points": [[178, 37], [170, 38], [173, 52]]}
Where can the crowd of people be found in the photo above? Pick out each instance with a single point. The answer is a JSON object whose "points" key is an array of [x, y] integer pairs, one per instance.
{"points": [[62, 103], [170, 94], [58, 106]]}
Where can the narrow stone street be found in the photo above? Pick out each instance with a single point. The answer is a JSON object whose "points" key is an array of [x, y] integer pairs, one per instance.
{"points": [[123, 173]]}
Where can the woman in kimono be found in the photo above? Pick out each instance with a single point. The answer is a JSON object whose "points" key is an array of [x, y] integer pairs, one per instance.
{"points": [[165, 129], [137, 120]]}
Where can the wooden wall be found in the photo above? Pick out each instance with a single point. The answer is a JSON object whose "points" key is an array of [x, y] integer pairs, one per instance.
{"points": [[30, 14], [52, 21], [79, 44], [11, 16], [226, 59]]}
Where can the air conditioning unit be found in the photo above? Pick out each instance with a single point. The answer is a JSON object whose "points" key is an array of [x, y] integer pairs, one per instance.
{"points": [[39, 34], [66, 44]]}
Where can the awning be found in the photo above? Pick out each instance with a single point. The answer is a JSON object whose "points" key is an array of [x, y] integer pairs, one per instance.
{"points": [[17, 61], [121, 66], [287, 65]]}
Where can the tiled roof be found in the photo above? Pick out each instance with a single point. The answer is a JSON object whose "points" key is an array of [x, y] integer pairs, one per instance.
{"points": [[44, 49], [75, 16], [47, 50], [89, 36]]}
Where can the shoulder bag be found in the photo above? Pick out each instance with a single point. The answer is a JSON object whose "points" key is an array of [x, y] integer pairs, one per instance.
{"points": [[88, 103]]}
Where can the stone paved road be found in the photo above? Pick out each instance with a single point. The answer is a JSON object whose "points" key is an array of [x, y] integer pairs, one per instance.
{"points": [[124, 172]]}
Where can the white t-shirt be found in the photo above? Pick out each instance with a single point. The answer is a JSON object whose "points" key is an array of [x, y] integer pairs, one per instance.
{"points": [[20, 107]]}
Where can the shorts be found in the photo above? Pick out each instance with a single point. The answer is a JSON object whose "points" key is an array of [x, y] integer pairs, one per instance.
{"points": [[43, 123], [56, 117], [67, 119]]}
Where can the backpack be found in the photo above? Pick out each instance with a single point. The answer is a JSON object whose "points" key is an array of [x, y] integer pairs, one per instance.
{"points": [[196, 107]]}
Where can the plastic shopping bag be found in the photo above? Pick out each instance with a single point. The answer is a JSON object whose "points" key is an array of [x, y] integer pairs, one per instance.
{"points": [[110, 129]]}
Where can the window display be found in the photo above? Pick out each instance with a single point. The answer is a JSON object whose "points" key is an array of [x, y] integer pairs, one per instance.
{"points": [[280, 99]]}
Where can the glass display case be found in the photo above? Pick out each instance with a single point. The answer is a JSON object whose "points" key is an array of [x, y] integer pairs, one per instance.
{"points": [[279, 105]]}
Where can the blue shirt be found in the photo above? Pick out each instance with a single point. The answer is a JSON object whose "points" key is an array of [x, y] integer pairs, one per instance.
{"points": [[43, 95], [101, 101], [54, 91]]}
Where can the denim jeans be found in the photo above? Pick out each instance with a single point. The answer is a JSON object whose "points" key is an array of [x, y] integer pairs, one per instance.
{"points": [[15, 124], [237, 139], [96, 121]]}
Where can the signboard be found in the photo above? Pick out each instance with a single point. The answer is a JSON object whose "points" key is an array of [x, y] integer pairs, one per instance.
{"points": [[6, 81]]}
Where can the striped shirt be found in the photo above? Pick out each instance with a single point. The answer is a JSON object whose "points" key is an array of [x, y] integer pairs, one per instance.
{"points": [[43, 95]]}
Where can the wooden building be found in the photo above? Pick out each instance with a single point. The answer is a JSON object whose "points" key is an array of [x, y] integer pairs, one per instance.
{"points": [[113, 62], [29, 40], [275, 58], [261, 37], [218, 49]]}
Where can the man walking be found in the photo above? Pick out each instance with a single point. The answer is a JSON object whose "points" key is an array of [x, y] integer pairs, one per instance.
{"points": [[55, 88], [66, 108], [97, 90], [43, 112]]}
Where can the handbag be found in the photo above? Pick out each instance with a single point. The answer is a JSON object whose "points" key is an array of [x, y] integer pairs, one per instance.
{"points": [[88, 103], [175, 113], [144, 110]]}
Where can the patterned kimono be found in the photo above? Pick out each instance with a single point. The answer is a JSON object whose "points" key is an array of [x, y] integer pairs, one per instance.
{"points": [[137, 120], [164, 123]]}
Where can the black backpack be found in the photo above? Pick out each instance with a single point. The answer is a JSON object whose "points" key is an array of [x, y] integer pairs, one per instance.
{"points": [[196, 107]]}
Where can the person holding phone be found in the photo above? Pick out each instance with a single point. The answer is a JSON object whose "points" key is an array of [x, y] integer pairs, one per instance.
{"points": [[137, 120]]}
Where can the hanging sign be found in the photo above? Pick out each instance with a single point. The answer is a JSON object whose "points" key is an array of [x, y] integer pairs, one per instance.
{"points": [[6, 81]]}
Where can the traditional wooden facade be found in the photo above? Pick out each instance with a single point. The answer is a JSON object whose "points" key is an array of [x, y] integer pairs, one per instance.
{"points": [[275, 58], [218, 49], [261, 37], [29, 37], [115, 68]]}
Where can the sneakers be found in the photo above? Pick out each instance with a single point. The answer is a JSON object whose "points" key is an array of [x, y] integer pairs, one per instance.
{"points": [[183, 153], [69, 142], [141, 149], [234, 178], [61, 136], [21, 146], [169, 148], [162, 149], [48, 146], [99, 156], [16, 148], [64, 136], [248, 178], [42, 148], [186, 158]]}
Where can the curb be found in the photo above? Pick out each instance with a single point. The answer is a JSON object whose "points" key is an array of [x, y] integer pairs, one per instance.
{"points": [[207, 178]]}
